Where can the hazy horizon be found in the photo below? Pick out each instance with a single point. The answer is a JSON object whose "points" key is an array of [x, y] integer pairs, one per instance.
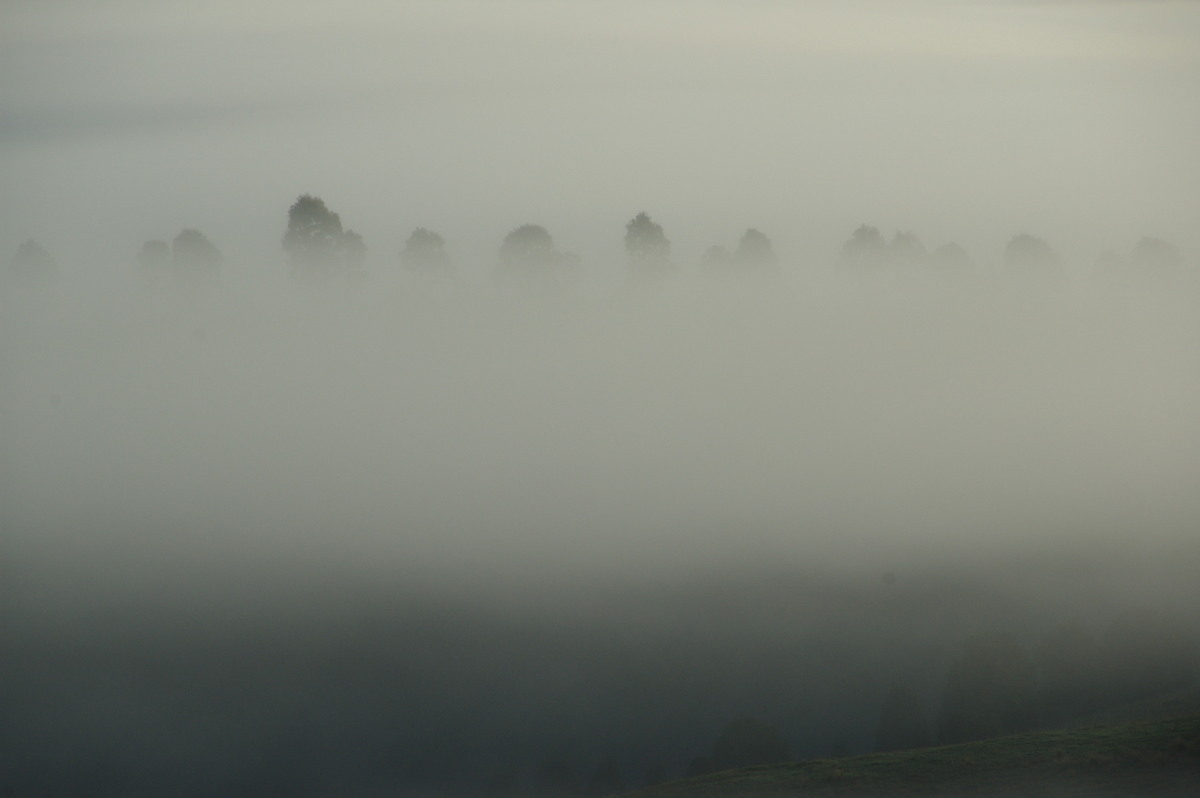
{"points": [[406, 536], [973, 121]]}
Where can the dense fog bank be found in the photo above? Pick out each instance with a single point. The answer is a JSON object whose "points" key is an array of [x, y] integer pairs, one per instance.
{"points": [[327, 469], [301, 538]]}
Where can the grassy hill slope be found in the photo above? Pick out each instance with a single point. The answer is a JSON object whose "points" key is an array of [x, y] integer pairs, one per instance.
{"points": [[1149, 758]]}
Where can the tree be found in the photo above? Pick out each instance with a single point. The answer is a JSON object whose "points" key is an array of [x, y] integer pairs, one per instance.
{"points": [[902, 722], [864, 249], [195, 259], [754, 252], [1026, 254], [716, 259], [989, 690], [315, 242], [354, 250], [529, 260], [32, 263], [529, 245], [743, 742], [647, 246], [425, 251], [907, 250], [951, 259], [1153, 256]]}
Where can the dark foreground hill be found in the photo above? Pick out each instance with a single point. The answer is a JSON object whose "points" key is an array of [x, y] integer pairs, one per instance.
{"points": [[1150, 758]]}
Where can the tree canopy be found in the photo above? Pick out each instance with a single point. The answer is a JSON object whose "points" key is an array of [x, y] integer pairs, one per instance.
{"points": [[1156, 256], [1025, 253], [315, 241], [646, 245], [32, 262], [907, 250], [195, 259], [425, 250], [716, 259], [528, 259], [864, 249], [754, 251], [951, 257]]}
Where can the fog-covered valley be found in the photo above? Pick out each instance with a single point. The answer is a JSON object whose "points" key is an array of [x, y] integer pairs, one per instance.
{"points": [[513, 397], [389, 535]]}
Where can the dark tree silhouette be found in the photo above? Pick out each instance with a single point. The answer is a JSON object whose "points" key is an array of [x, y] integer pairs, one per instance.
{"points": [[354, 250], [902, 722], [529, 260], [864, 249], [529, 245], [716, 259], [647, 246], [316, 244], [32, 263], [907, 250], [1026, 254], [743, 742], [425, 250], [1153, 256], [195, 259], [755, 253], [989, 690], [951, 259]]}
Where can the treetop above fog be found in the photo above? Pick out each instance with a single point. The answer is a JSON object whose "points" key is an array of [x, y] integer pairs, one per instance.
{"points": [[315, 241], [646, 244], [425, 250], [32, 262]]}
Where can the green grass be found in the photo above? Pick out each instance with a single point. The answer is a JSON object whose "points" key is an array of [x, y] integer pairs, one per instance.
{"points": [[1150, 758]]}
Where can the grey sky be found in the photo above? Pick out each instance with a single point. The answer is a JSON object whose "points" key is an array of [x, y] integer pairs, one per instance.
{"points": [[123, 121]]}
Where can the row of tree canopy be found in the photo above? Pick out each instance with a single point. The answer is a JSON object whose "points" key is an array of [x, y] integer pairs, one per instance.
{"points": [[317, 246]]}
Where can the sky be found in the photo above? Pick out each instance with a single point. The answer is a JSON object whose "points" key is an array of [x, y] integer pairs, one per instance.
{"points": [[392, 537], [125, 121]]}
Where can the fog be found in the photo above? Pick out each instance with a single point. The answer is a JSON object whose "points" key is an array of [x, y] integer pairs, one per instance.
{"points": [[450, 530], [961, 120], [397, 533]]}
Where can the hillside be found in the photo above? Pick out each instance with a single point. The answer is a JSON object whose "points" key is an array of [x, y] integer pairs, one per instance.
{"points": [[1149, 758]]}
